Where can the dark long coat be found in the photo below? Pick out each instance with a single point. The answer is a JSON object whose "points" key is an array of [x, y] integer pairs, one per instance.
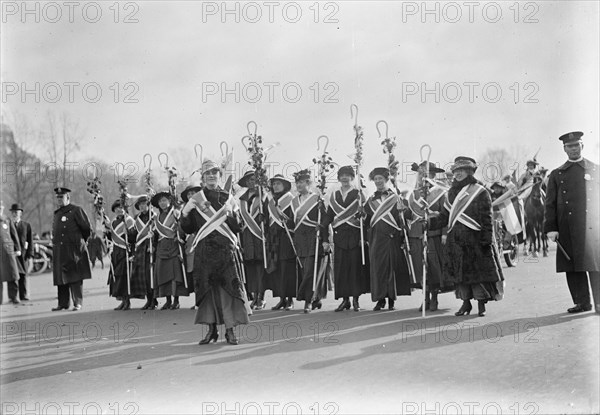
{"points": [[118, 279], [24, 234], [388, 267], [283, 277], [572, 210], [351, 277], [471, 256], [9, 271], [216, 259], [71, 228]]}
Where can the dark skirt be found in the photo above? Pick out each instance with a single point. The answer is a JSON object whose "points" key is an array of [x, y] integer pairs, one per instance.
{"points": [[305, 290], [436, 280], [284, 280], [118, 280], [140, 275], [351, 277], [218, 307], [255, 276], [168, 270], [388, 267]]}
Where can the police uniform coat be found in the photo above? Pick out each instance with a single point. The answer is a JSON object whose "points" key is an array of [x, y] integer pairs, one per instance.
{"points": [[71, 229], [572, 210]]}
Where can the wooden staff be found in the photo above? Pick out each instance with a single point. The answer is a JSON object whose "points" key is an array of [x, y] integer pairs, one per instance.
{"points": [[425, 192], [150, 193], [389, 145], [358, 144], [324, 162], [123, 189]]}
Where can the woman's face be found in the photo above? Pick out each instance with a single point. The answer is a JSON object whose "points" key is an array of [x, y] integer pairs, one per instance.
{"points": [[211, 177], [460, 174], [164, 203], [191, 193], [380, 182], [119, 211], [278, 186], [251, 182], [302, 186], [345, 179]]}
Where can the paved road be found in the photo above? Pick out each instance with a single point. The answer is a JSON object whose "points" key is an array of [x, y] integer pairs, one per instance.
{"points": [[526, 356]]}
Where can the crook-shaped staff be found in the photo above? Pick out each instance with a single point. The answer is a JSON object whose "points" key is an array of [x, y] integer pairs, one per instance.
{"points": [[150, 193], [198, 154], [253, 145], [172, 177], [389, 144], [358, 159], [123, 198], [425, 194], [324, 163]]}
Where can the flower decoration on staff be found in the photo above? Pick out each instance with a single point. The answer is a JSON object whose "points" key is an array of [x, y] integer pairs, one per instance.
{"points": [[123, 197], [148, 176], [94, 188], [324, 164], [358, 159], [389, 145], [253, 145]]}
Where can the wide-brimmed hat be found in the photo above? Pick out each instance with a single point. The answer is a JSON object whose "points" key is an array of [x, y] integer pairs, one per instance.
{"points": [[379, 171], [140, 200], [532, 162], [209, 165], [243, 181], [15, 206], [302, 175], [432, 167], [159, 195], [349, 170], [287, 185], [117, 203], [462, 162], [187, 190]]}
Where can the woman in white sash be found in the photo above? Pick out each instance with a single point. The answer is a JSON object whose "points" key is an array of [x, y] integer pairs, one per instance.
{"points": [[220, 296], [168, 267], [471, 259]]}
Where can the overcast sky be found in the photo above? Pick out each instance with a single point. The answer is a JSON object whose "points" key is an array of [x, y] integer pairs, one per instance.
{"points": [[177, 58]]}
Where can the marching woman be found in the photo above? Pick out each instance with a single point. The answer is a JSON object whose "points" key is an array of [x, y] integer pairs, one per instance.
{"points": [[436, 192], [187, 193], [169, 268], [306, 207], [388, 268], [471, 259], [122, 234], [351, 277], [213, 215], [251, 238], [281, 251], [141, 283]]}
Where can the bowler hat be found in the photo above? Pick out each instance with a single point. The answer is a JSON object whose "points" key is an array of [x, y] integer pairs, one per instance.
{"points": [[15, 207]]}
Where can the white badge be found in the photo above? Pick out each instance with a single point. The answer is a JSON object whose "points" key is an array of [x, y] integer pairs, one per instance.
{"points": [[587, 176], [5, 226], [64, 218]]}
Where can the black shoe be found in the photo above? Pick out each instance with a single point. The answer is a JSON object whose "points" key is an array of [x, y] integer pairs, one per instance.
{"points": [[355, 304], [260, 305], [127, 305], [230, 337], [166, 306], [212, 335], [391, 304], [316, 304], [60, 308], [289, 304], [344, 305], [433, 304], [282, 303], [580, 308], [254, 301], [380, 304], [146, 306], [307, 307], [464, 309], [14, 301], [481, 307], [120, 306], [175, 306], [25, 299]]}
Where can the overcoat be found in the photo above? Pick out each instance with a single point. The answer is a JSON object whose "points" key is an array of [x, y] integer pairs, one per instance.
{"points": [[70, 229], [9, 270], [572, 210]]}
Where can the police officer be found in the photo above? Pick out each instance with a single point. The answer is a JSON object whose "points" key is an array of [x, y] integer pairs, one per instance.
{"points": [[71, 228], [572, 220]]}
